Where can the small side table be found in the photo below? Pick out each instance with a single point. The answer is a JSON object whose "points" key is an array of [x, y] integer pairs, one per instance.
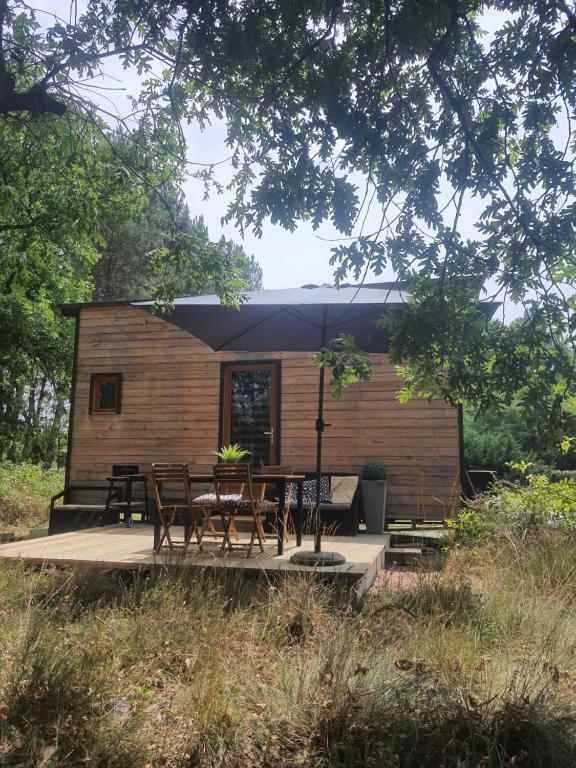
{"points": [[127, 505]]}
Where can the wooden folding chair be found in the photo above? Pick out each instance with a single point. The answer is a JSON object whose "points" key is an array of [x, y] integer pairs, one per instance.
{"points": [[176, 475], [248, 504], [210, 503], [283, 469]]}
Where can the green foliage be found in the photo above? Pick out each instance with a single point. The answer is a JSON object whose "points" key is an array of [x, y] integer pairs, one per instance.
{"points": [[373, 471], [488, 366], [49, 239], [227, 268], [541, 503], [64, 180], [472, 526], [566, 456], [490, 450], [492, 440], [349, 364], [25, 493], [162, 251], [519, 510], [231, 454]]}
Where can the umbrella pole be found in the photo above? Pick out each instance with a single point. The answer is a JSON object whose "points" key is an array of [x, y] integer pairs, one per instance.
{"points": [[318, 557], [319, 430]]}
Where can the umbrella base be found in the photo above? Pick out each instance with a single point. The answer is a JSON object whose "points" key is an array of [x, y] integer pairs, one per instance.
{"points": [[317, 558]]}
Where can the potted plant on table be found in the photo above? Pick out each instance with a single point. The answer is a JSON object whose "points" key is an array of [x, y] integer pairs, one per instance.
{"points": [[374, 483], [231, 454]]}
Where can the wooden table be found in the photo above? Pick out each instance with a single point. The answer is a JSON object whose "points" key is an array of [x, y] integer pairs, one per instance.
{"points": [[280, 481]]}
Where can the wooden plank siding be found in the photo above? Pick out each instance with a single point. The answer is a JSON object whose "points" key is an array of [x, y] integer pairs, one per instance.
{"points": [[171, 410]]}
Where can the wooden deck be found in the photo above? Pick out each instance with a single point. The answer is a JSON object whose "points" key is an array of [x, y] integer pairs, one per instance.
{"points": [[131, 548]]}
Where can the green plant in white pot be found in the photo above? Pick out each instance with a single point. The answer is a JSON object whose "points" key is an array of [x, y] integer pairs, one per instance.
{"points": [[374, 483]]}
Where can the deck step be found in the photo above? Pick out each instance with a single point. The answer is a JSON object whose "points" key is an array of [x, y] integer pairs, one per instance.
{"points": [[417, 557], [429, 539]]}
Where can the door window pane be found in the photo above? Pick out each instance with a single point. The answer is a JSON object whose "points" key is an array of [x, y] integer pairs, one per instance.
{"points": [[251, 413]]}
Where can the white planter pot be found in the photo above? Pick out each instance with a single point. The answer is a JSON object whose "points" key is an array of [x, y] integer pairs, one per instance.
{"points": [[374, 503]]}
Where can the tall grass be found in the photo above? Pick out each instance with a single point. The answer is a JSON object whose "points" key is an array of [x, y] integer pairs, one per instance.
{"points": [[471, 667], [25, 493]]}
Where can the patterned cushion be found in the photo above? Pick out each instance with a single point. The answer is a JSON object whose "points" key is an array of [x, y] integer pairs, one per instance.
{"points": [[232, 500], [246, 504], [309, 491], [210, 498]]}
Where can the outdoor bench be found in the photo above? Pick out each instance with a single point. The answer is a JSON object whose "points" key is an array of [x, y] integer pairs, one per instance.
{"points": [[81, 506], [339, 517]]}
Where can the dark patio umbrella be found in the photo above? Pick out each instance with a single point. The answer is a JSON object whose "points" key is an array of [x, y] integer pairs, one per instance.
{"points": [[292, 320]]}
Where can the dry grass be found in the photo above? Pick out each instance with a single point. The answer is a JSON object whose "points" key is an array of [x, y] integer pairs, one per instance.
{"points": [[471, 667]]}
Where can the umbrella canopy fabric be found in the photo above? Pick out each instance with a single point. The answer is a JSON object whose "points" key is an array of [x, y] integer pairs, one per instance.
{"points": [[286, 320], [291, 320]]}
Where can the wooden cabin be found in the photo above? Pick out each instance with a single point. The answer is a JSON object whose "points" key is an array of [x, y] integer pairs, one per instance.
{"points": [[146, 390]]}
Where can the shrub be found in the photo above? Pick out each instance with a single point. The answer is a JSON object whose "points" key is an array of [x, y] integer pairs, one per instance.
{"points": [[518, 509], [494, 439], [490, 450], [472, 526], [525, 507], [373, 471]]}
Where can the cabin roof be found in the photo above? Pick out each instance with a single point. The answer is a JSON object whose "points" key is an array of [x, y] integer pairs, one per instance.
{"points": [[308, 294], [383, 293]]}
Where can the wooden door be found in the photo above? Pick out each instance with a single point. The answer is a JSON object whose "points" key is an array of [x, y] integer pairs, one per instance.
{"points": [[250, 410]]}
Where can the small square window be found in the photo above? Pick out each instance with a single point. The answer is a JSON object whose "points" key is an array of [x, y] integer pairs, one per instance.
{"points": [[105, 392]]}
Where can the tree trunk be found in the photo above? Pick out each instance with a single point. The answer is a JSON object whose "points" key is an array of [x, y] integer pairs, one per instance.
{"points": [[52, 442]]}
